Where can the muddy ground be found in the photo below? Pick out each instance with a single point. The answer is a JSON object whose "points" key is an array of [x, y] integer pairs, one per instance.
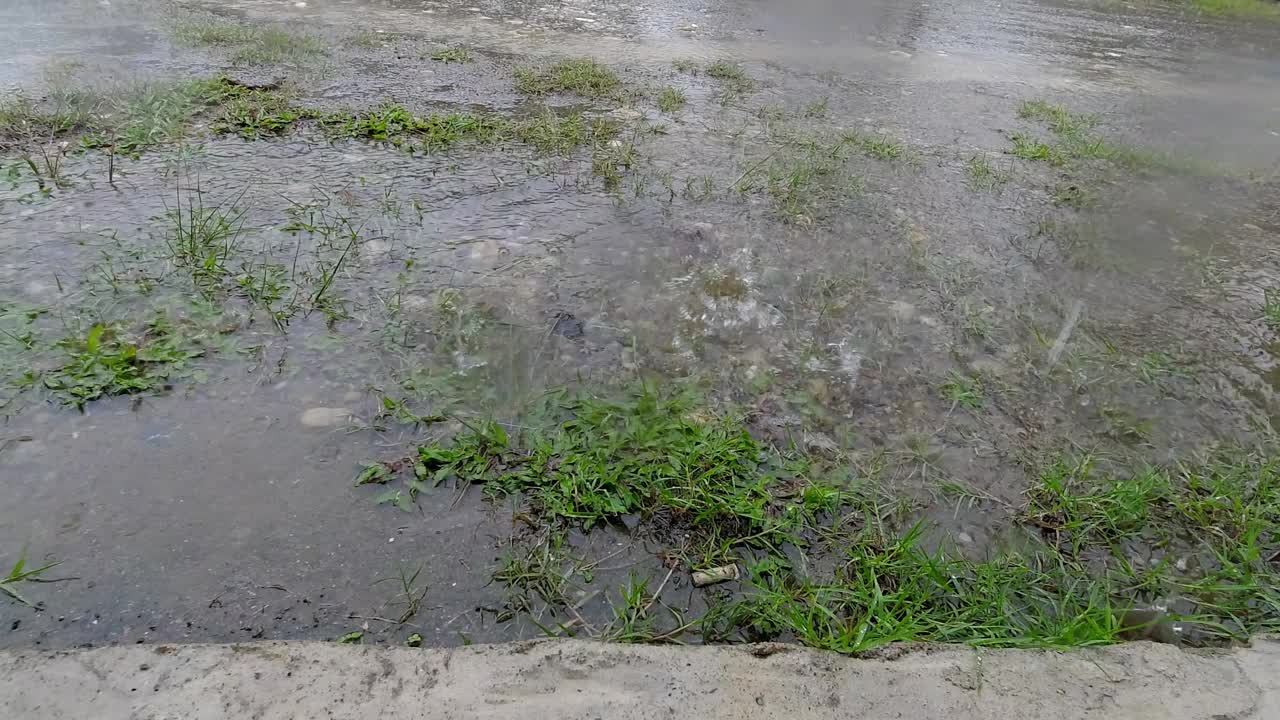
{"points": [[934, 243]]}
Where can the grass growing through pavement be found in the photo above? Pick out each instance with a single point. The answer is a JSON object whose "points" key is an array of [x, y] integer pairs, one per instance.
{"points": [[579, 76]]}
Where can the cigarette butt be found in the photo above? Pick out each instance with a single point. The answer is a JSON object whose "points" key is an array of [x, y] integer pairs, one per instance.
{"points": [[711, 576]]}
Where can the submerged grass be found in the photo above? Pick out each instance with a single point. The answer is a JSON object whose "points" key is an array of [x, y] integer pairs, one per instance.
{"points": [[1242, 8], [579, 76], [131, 119], [449, 55], [252, 45], [110, 360], [734, 81], [1077, 141], [547, 132]]}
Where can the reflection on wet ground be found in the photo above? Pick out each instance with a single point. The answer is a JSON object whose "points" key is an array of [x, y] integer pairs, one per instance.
{"points": [[831, 293]]}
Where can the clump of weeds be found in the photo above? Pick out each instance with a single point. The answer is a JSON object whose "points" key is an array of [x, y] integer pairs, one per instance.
{"points": [[670, 99], [1271, 307], [963, 391], [449, 55], [204, 239], [579, 76], [1062, 122], [1028, 147], [816, 109], [801, 177], [612, 160], [983, 174], [1216, 522], [109, 360], [252, 44], [1242, 8], [365, 39], [875, 146], [688, 66], [251, 113], [1076, 140], [734, 81], [548, 132], [554, 134]]}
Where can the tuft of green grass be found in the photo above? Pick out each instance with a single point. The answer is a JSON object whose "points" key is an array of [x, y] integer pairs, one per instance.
{"points": [[214, 32], [733, 80], [875, 146], [1031, 148], [1240, 8], [21, 573], [816, 109], [983, 174], [548, 132], [110, 361], [1155, 368], [645, 454], [23, 120], [449, 55], [611, 160], [131, 119], [963, 390], [251, 113], [1218, 517], [580, 76], [204, 239], [1076, 141], [554, 134], [800, 178], [1271, 307], [1061, 121], [670, 99], [366, 39], [686, 65], [252, 45]]}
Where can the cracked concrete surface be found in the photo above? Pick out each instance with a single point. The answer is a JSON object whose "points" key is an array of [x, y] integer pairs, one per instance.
{"points": [[580, 679]]}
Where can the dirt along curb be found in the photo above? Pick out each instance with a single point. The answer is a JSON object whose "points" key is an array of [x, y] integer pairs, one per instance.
{"points": [[583, 679]]}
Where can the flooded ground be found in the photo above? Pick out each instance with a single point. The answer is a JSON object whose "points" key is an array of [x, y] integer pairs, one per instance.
{"points": [[933, 244]]}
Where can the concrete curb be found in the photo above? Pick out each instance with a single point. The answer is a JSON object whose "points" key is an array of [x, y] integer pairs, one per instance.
{"points": [[583, 679]]}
